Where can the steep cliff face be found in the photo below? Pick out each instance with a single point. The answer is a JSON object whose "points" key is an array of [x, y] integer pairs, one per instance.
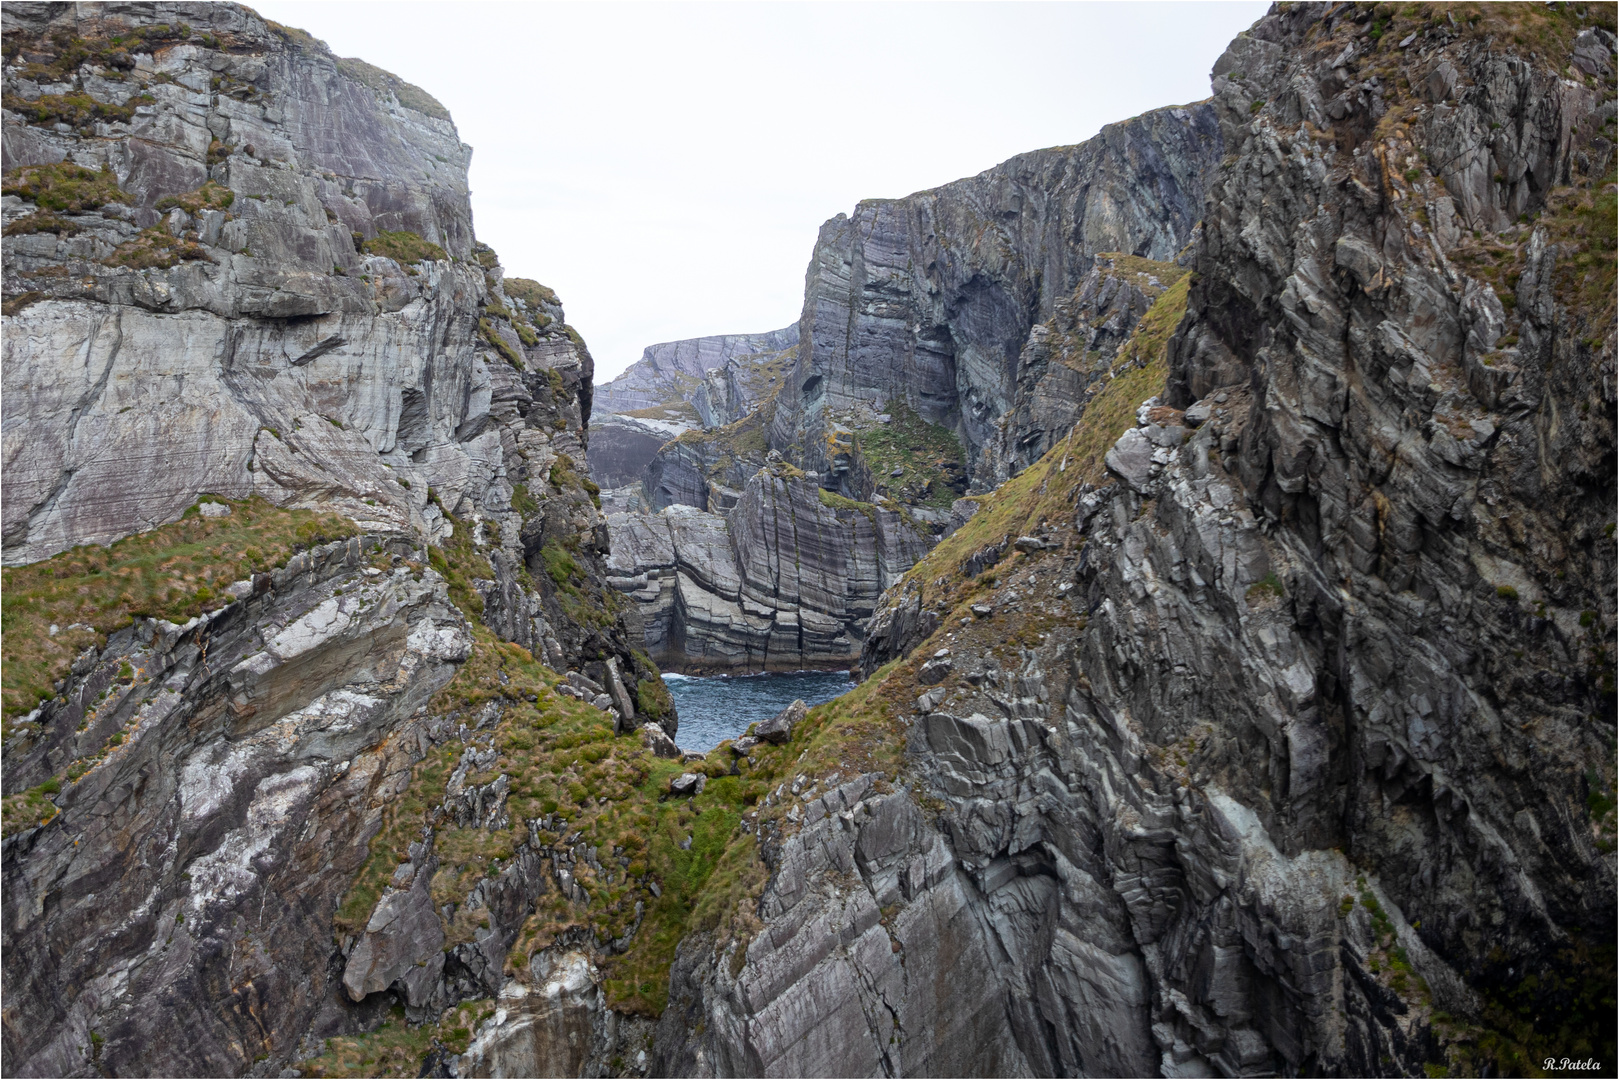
{"points": [[1265, 724], [929, 300], [786, 579], [948, 338], [262, 786], [679, 371]]}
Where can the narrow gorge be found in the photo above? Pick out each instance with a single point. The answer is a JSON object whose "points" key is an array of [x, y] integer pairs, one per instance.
{"points": [[1219, 514]]}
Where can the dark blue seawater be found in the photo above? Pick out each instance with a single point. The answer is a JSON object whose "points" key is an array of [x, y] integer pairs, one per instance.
{"points": [[721, 707]]}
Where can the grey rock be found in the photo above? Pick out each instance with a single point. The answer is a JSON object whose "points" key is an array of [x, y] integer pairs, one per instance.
{"points": [[666, 372], [687, 784], [259, 773], [779, 728], [906, 301], [782, 582], [1131, 458], [659, 742]]}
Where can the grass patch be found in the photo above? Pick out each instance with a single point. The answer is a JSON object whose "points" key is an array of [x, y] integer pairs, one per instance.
{"points": [[173, 572], [531, 292], [563, 476], [211, 196], [1046, 490], [407, 94], [65, 187], [42, 222], [1265, 588], [156, 249], [403, 248], [679, 411], [487, 331], [76, 110], [397, 1047], [29, 808], [929, 456]]}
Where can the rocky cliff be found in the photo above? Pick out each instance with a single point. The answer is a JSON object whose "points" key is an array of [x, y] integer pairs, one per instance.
{"points": [[1262, 724], [1266, 723], [784, 581], [679, 371], [299, 549], [953, 334], [693, 386], [928, 301]]}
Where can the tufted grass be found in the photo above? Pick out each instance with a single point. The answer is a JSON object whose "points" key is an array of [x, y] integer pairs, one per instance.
{"points": [[930, 455], [211, 196], [156, 249], [65, 187], [397, 1047], [174, 572], [1047, 489], [403, 247]]}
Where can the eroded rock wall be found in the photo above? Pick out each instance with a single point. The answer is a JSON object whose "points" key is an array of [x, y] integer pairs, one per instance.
{"points": [[784, 581], [1287, 749], [930, 299], [192, 874], [274, 290]]}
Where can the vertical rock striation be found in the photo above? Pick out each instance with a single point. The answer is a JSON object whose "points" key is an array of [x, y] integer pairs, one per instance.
{"points": [[785, 581], [930, 299], [1278, 738]]}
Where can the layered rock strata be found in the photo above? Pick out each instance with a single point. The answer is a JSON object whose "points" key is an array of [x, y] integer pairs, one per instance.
{"points": [[782, 582], [930, 299], [691, 386], [194, 871], [238, 265], [680, 371], [1288, 747]]}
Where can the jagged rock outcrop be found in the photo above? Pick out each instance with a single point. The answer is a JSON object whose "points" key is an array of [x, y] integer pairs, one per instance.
{"points": [[689, 386], [238, 265], [784, 581], [929, 300], [1068, 357], [621, 447], [994, 344], [193, 872], [910, 307], [1287, 748]]}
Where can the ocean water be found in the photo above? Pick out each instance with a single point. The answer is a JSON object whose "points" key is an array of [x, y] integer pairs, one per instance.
{"points": [[719, 707]]}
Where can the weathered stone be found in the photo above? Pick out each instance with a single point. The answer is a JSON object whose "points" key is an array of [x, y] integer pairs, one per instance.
{"points": [[687, 784], [784, 582], [779, 728]]}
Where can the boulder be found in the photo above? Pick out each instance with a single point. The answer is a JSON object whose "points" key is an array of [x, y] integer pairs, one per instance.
{"points": [[688, 784], [779, 728]]}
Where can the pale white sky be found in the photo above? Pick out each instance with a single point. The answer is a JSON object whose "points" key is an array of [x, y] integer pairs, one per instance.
{"points": [[665, 166]]}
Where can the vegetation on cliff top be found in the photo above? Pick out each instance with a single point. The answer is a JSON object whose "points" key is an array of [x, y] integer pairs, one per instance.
{"points": [[382, 82], [52, 610], [173, 572]]}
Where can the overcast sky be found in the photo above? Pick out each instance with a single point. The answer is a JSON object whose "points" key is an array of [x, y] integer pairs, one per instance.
{"points": [[665, 167]]}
